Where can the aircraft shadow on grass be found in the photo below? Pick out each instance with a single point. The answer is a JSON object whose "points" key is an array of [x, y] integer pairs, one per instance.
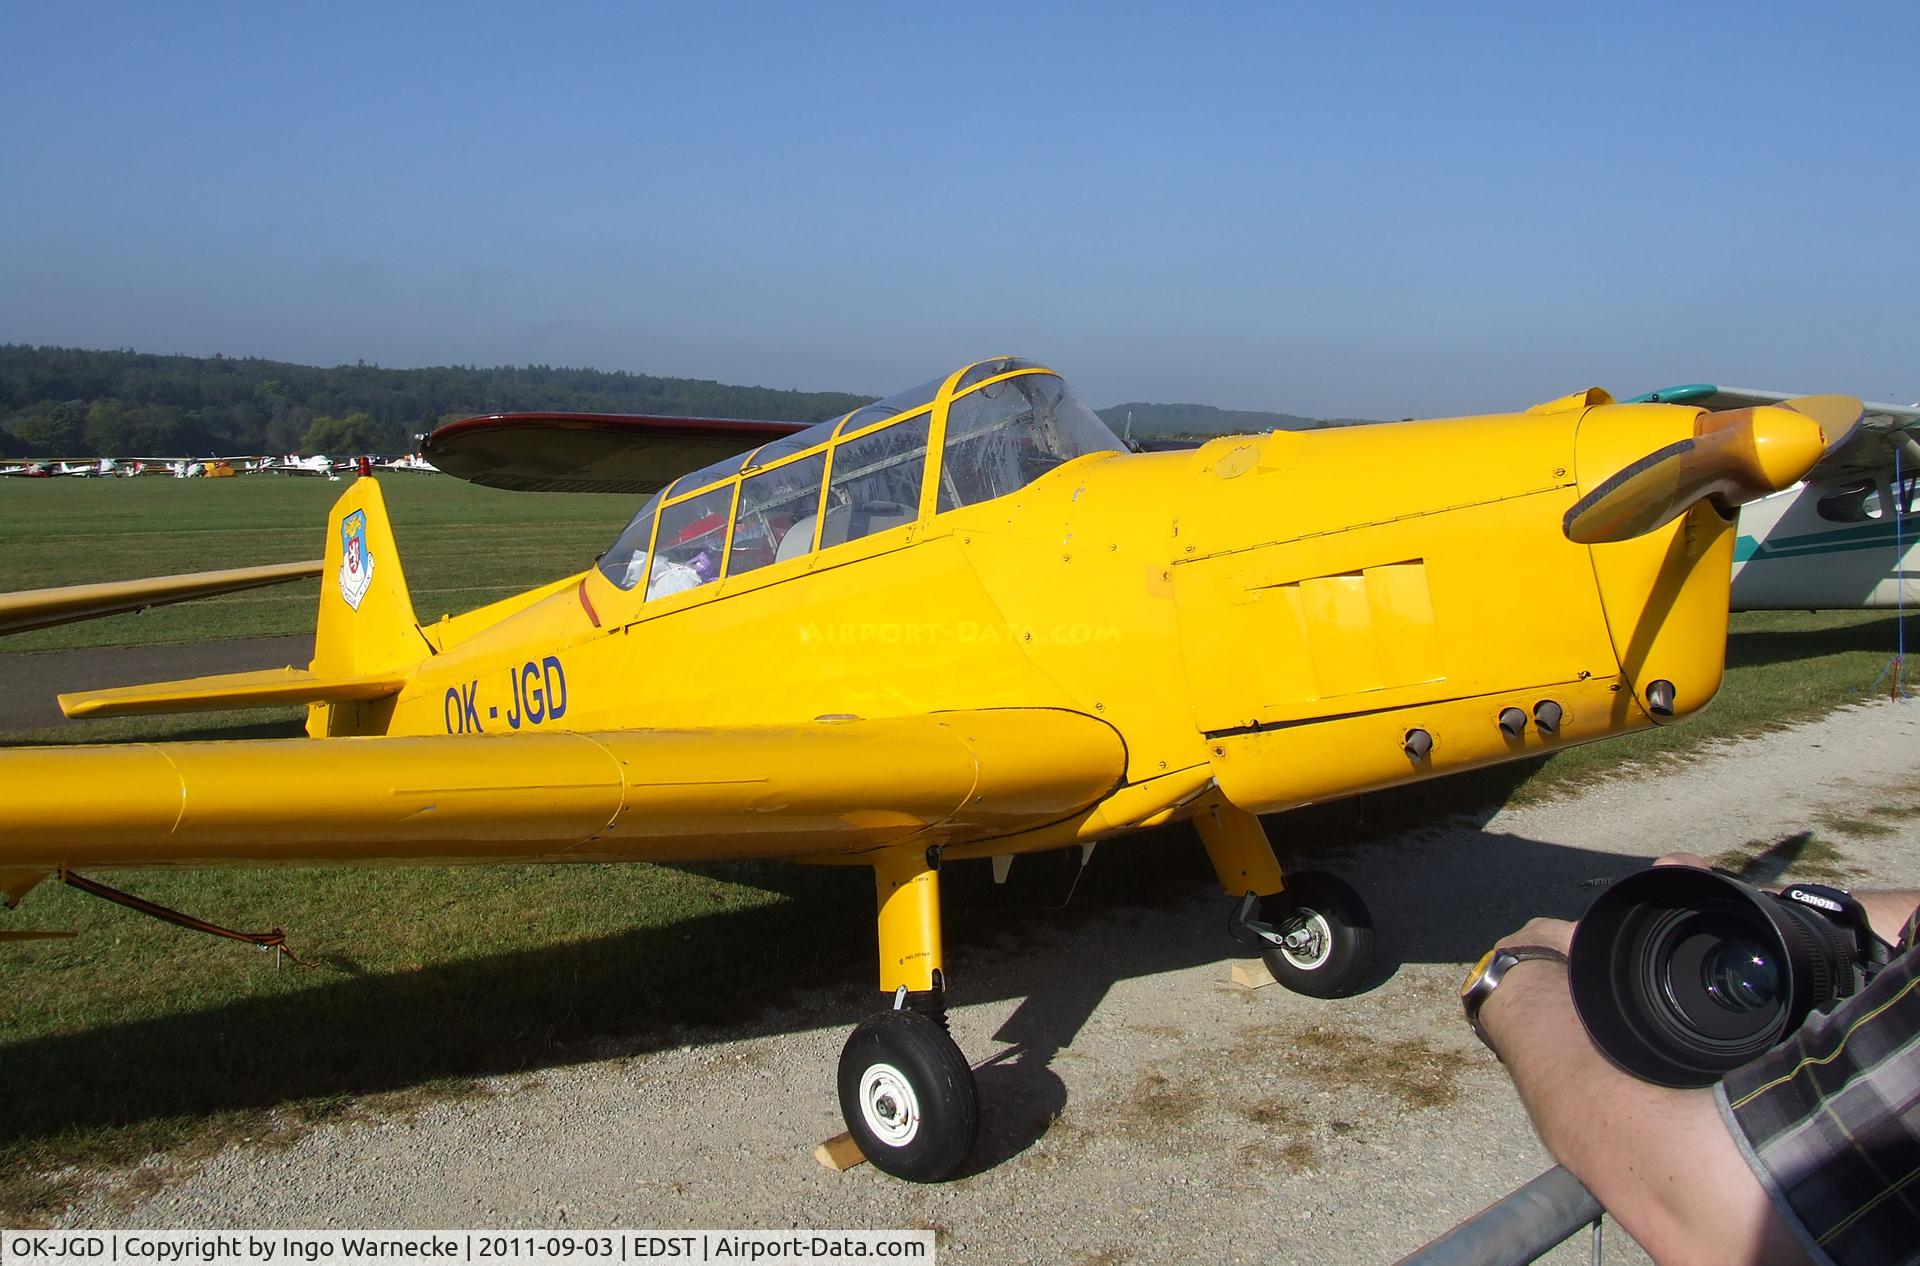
{"points": [[806, 963]]}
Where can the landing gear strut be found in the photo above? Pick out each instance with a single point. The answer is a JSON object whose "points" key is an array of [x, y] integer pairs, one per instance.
{"points": [[906, 1091], [1313, 930]]}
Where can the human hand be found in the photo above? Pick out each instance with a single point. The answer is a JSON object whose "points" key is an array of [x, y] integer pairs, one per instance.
{"points": [[1552, 933]]}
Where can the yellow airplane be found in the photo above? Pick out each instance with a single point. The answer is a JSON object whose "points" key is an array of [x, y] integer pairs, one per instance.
{"points": [[964, 623]]}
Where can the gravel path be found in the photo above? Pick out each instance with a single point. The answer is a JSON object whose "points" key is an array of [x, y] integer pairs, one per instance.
{"points": [[30, 680], [1138, 1106]]}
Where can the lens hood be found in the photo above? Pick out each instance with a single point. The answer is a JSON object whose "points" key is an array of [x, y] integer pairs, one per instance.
{"points": [[1681, 975]]}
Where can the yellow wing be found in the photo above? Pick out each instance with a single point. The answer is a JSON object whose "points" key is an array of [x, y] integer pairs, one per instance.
{"points": [[823, 787], [43, 608]]}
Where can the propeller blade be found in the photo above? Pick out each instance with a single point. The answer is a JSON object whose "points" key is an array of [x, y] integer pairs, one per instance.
{"points": [[1734, 457], [1837, 415]]}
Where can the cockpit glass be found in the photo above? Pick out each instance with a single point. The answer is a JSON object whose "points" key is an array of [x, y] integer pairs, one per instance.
{"points": [[626, 563], [1857, 502], [772, 451], [894, 405], [778, 510], [1003, 436], [987, 369], [716, 470], [876, 482], [689, 547]]}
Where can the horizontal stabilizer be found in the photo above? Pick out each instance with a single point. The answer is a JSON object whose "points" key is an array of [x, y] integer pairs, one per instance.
{"points": [[44, 608], [1733, 458], [263, 689]]}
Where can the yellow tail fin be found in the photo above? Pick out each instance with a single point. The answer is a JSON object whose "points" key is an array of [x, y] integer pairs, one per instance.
{"points": [[366, 623]]}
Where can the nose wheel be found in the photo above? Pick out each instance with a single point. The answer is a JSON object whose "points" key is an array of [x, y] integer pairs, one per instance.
{"points": [[908, 1096], [1316, 935], [1313, 930]]}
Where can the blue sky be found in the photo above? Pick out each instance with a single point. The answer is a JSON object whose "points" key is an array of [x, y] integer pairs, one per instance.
{"points": [[1376, 210]]}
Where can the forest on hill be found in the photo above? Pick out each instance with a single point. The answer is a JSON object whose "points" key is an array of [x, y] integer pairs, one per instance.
{"points": [[69, 402], [1203, 421], [1196, 420]]}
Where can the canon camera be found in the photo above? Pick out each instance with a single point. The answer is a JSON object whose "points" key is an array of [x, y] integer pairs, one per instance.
{"points": [[1682, 975]]}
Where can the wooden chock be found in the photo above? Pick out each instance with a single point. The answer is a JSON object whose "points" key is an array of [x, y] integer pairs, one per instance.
{"points": [[839, 1153], [1252, 973]]}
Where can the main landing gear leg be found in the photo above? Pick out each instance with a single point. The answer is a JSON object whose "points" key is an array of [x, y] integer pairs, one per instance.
{"points": [[1313, 930], [906, 1091]]}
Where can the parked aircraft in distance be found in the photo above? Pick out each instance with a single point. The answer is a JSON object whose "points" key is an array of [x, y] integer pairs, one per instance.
{"points": [[293, 464], [962, 623], [78, 468], [409, 463]]}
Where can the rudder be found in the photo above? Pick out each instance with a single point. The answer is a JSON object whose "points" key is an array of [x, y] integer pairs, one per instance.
{"points": [[366, 622]]}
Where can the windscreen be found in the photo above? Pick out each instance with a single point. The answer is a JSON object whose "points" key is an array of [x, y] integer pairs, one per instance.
{"points": [[626, 563], [1004, 435]]}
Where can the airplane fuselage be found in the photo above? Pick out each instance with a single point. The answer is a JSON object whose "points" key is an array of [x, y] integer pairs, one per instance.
{"points": [[1225, 610]]}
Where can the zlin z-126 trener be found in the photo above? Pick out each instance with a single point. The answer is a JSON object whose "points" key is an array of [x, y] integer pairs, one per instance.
{"points": [[960, 623]]}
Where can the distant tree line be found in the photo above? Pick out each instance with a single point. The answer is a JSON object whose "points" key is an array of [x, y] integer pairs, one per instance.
{"points": [[69, 402], [1203, 421]]}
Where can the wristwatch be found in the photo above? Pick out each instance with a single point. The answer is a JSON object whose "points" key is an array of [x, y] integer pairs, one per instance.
{"points": [[1487, 973]]}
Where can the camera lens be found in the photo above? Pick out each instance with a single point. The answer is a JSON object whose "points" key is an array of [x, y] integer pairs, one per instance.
{"points": [[1740, 975], [1681, 975], [1683, 954]]}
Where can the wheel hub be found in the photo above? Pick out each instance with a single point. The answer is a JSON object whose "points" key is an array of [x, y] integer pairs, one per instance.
{"points": [[888, 1104], [1308, 941]]}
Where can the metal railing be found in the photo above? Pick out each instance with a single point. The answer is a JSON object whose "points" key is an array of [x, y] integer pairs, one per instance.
{"points": [[1519, 1227]]}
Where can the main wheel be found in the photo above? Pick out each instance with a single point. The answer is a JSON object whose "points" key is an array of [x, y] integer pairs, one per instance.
{"points": [[1328, 933], [908, 1096]]}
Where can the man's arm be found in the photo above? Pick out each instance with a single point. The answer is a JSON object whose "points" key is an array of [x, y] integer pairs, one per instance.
{"points": [[1888, 912], [1660, 1160]]}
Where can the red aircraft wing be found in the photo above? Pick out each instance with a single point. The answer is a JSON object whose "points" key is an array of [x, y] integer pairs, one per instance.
{"points": [[590, 452]]}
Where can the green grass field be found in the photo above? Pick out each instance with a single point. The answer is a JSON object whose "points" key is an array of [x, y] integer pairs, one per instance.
{"points": [[462, 546], [135, 1036]]}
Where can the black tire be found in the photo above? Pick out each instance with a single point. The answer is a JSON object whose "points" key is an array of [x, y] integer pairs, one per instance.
{"points": [[1342, 929], [908, 1096]]}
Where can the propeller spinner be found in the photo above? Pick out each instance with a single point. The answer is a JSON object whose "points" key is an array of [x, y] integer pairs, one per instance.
{"points": [[1733, 457]]}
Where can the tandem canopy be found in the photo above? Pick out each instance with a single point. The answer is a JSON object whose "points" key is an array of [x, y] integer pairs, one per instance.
{"points": [[985, 431]]}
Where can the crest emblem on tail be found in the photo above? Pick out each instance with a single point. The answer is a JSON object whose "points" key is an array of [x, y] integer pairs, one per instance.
{"points": [[356, 562]]}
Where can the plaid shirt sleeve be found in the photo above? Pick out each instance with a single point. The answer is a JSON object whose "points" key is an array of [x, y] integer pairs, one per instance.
{"points": [[1830, 1121]]}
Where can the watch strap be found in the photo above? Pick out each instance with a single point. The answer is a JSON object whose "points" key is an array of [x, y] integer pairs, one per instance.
{"points": [[1487, 974]]}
